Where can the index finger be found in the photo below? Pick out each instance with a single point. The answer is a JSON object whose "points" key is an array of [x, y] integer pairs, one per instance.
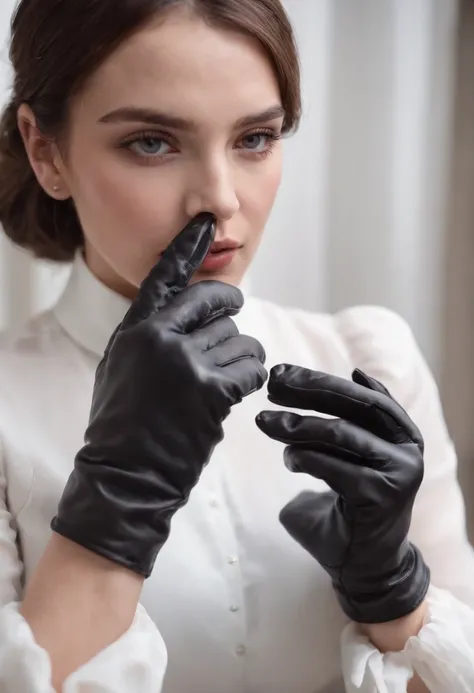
{"points": [[302, 388], [175, 269]]}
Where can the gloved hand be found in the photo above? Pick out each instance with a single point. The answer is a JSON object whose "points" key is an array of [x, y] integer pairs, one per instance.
{"points": [[372, 459], [170, 374]]}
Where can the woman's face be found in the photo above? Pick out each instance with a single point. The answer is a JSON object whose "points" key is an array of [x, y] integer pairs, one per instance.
{"points": [[183, 118]]}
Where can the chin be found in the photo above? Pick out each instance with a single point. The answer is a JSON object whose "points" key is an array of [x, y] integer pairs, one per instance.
{"points": [[226, 278]]}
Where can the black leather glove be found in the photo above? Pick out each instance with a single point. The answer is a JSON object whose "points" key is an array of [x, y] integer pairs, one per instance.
{"points": [[169, 376], [372, 458]]}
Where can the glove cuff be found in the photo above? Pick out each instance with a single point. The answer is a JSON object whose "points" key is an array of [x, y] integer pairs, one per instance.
{"points": [[108, 519], [394, 598]]}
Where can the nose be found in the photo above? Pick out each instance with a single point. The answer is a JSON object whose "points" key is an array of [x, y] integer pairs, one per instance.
{"points": [[213, 190]]}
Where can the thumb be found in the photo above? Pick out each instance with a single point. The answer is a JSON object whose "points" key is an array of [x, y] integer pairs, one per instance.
{"points": [[174, 270], [311, 519], [361, 378]]}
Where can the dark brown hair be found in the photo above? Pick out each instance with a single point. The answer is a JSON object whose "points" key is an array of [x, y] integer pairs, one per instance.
{"points": [[56, 45]]}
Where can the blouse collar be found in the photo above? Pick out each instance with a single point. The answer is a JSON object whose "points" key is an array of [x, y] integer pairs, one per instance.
{"points": [[88, 310]]}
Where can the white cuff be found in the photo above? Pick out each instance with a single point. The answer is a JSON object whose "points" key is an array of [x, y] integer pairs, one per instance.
{"points": [[135, 662], [442, 654]]}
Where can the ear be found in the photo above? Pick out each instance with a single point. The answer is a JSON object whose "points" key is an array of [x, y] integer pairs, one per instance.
{"points": [[43, 155]]}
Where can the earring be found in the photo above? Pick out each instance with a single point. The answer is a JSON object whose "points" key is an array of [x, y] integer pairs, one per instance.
{"points": [[56, 188]]}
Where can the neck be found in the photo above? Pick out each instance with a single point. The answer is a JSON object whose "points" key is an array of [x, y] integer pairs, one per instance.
{"points": [[101, 269]]}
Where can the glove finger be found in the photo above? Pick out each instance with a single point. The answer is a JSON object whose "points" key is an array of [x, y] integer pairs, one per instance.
{"points": [[200, 304], [236, 349], [367, 381], [314, 520], [362, 378], [301, 388], [347, 480], [174, 270], [332, 436], [242, 378], [213, 333]]}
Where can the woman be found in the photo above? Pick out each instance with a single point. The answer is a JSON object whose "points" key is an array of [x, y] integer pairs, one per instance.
{"points": [[128, 122]]}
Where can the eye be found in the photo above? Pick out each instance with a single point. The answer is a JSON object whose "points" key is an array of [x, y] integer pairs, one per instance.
{"points": [[150, 146], [257, 141]]}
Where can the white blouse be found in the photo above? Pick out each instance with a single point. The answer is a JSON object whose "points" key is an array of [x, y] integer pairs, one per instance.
{"points": [[233, 604]]}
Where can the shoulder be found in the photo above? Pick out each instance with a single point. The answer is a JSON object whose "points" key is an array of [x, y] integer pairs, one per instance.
{"points": [[378, 339], [372, 338], [354, 325], [383, 345], [366, 333]]}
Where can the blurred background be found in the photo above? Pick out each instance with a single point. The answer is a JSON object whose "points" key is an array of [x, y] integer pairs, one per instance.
{"points": [[377, 203]]}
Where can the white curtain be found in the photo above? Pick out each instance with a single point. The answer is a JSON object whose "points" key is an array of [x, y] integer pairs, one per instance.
{"points": [[361, 215]]}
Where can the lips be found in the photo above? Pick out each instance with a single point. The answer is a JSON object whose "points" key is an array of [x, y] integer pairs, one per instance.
{"points": [[220, 256], [225, 245]]}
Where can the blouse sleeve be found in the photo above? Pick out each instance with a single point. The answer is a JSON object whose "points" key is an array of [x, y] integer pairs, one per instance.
{"points": [[381, 343], [135, 662]]}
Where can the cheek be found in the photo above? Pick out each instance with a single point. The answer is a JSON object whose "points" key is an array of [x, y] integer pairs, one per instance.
{"points": [[262, 189], [271, 183], [124, 209], [130, 197]]}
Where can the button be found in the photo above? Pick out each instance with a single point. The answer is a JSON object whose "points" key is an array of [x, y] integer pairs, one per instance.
{"points": [[232, 560], [240, 650], [213, 503], [234, 608]]}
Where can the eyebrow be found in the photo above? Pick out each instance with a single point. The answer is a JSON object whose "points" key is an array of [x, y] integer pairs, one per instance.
{"points": [[132, 114]]}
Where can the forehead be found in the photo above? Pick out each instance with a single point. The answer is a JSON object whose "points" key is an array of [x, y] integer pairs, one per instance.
{"points": [[185, 66]]}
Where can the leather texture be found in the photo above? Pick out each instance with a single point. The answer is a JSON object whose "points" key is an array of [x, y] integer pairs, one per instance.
{"points": [[170, 374], [371, 457]]}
